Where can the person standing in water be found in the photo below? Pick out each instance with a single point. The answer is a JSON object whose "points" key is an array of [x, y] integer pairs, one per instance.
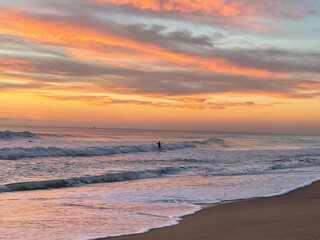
{"points": [[159, 146]]}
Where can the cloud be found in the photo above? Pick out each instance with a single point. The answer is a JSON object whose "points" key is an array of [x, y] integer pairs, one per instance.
{"points": [[248, 8], [251, 14], [129, 82], [58, 73], [93, 39], [73, 49], [194, 103], [270, 59]]}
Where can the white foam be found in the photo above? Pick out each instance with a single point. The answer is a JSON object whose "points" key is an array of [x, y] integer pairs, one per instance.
{"points": [[305, 184], [20, 152], [5, 135], [106, 178], [164, 185]]}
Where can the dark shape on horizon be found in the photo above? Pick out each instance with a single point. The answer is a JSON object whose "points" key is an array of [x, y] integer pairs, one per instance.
{"points": [[159, 146]]}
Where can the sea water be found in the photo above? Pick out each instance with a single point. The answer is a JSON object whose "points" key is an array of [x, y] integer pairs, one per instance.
{"points": [[88, 183]]}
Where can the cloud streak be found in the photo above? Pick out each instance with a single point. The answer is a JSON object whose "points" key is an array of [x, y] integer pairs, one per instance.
{"points": [[248, 8], [184, 103], [237, 13], [61, 73]]}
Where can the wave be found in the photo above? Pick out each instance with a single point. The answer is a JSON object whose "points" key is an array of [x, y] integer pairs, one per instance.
{"points": [[79, 181], [210, 141], [8, 135], [59, 135], [4, 135], [31, 152], [288, 163], [296, 162]]}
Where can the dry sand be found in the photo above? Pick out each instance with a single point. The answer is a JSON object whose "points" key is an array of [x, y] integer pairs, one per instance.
{"points": [[295, 215]]}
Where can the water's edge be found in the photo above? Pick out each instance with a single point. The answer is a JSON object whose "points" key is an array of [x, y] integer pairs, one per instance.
{"points": [[203, 206]]}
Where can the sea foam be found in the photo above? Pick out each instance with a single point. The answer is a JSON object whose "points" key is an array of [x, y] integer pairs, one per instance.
{"points": [[78, 181], [5, 135], [30, 152]]}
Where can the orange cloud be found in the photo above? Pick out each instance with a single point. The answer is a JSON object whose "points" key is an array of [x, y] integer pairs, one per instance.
{"points": [[235, 13], [14, 64], [182, 102], [104, 47], [248, 9], [231, 8], [310, 85], [186, 8]]}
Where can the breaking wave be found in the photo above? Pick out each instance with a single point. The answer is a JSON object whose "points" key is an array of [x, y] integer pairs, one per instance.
{"points": [[31, 152], [79, 181], [58, 135], [4, 135], [8, 135], [210, 141]]}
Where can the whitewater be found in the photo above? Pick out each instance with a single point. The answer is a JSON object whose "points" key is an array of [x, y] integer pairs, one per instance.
{"points": [[50, 178]]}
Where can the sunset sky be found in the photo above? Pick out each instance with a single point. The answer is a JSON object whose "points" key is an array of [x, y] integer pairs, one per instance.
{"points": [[223, 65]]}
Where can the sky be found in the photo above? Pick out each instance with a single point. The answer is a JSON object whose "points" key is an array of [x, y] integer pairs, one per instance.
{"points": [[219, 65]]}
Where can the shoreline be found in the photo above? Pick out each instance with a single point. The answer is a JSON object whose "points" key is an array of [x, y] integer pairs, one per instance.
{"points": [[294, 215]]}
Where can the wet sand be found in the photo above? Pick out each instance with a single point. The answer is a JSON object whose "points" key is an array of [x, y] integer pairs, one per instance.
{"points": [[293, 216]]}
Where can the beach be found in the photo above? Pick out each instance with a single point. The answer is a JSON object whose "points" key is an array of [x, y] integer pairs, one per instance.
{"points": [[295, 215], [117, 178]]}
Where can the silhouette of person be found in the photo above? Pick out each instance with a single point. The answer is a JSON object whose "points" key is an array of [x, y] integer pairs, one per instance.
{"points": [[159, 146]]}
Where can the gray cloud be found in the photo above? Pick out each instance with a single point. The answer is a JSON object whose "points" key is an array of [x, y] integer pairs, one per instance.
{"points": [[180, 41], [271, 10], [169, 83], [192, 44], [47, 70], [271, 59]]}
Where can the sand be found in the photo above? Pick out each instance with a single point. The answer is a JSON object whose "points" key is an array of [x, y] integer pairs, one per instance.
{"points": [[295, 215]]}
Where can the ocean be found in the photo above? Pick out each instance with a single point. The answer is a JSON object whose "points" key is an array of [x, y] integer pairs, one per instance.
{"points": [[89, 183]]}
